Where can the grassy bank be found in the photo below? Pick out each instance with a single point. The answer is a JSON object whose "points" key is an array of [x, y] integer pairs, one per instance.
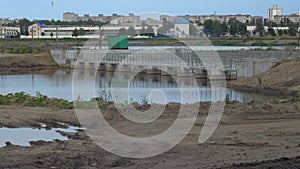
{"points": [[40, 100]]}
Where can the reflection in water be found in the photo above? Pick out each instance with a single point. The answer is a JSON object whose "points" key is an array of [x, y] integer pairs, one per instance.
{"points": [[150, 88]]}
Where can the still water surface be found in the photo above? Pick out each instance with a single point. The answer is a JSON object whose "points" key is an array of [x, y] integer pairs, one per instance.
{"points": [[22, 136], [58, 84]]}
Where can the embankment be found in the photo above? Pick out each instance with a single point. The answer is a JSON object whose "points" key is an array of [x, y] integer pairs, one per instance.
{"points": [[282, 79], [27, 61]]}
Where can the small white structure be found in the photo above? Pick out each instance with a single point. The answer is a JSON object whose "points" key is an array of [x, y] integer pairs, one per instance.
{"points": [[280, 28], [182, 27], [251, 29]]}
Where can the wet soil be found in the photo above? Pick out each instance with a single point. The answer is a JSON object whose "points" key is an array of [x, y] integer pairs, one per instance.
{"points": [[250, 135]]}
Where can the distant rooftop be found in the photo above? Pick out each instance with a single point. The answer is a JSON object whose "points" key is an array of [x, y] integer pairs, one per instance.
{"points": [[181, 21]]}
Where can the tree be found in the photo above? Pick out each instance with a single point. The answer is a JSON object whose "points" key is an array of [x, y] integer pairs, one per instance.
{"points": [[208, 24], [242, 28], [143, 30], [75, 32], [259, 27], [271, 24], [233, 30], [223, 28], [271, 31], [122, 31], [233, 26], [131, 31], [26, 33], [280, 32], [293, 30], [150, 30], [81, 32], [18, 35], [261, 32], [214, 26]]}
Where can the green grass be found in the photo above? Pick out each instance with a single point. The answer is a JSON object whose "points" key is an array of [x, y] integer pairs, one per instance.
{"points": [[260, 82], [40, 100], [11, 50], [275, 100], [296, 98]]}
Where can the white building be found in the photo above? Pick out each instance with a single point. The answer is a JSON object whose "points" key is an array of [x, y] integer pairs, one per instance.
{"points": [[280, 28], [252, 29], [7, 31], [182, 27], [275, 11], [39, 29], [221, 18]]}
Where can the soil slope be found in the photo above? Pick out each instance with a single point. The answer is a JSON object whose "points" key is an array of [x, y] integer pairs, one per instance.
{"points": [[27, 61], [283, 78]]}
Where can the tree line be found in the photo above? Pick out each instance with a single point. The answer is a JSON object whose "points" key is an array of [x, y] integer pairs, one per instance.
{"points": [[236, 28]]}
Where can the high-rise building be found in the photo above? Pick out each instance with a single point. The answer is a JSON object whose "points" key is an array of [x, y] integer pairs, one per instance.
{"points": [[275, 11]]}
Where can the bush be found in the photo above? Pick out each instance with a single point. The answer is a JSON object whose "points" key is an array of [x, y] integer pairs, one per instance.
{"points": [[227, 99]]}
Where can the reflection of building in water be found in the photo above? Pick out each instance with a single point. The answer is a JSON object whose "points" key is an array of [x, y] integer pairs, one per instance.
{"points": [[142, 84], [90, 85]]}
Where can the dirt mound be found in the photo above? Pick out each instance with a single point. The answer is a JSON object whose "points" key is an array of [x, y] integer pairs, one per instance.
{"points": [[30, 61], [283, 78]]}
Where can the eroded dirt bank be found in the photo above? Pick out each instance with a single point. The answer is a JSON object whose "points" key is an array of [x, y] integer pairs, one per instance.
{"points": [[26, 61], [283, 78], [256, 134]]}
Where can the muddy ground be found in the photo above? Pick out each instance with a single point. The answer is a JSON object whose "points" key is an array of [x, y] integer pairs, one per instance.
{"points": [[256, 134]]}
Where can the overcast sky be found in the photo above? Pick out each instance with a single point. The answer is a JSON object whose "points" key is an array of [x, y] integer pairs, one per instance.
{"points": [[41, 9]]}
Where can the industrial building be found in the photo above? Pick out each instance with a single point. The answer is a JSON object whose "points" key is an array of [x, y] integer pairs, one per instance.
{"points": [[40, 30]]}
